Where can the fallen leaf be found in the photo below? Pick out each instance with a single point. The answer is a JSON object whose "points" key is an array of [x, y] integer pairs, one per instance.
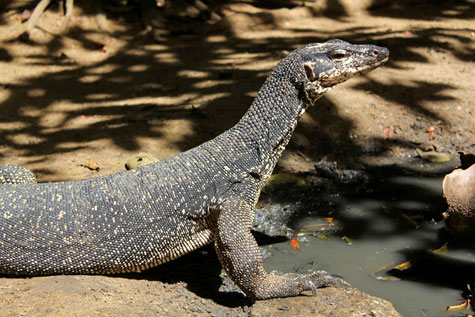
{"points": [[389, 133], [431, 131], [440, 251], [25, 15], [389, 278], [382, 268], [409, 220], [323, 237], [465, 304], [348, 240], [316, 225], [434, 157], [294, 244], [93, 166], [403, 266]]}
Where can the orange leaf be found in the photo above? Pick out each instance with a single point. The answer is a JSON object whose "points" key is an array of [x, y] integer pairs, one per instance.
{"points": [[389, 133], [295, 244], [464, 305], [316, 225], [431, 131], [329, 219], [25, 16], [93, 166]]}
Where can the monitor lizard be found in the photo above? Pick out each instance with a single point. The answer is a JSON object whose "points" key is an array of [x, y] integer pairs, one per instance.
{"points": [[134, 220]]}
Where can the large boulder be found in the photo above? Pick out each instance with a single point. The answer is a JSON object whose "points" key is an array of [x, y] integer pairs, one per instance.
{"points": [[131, 296], [459, 191]]}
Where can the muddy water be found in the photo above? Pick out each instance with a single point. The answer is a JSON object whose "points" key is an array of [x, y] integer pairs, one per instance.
{"points": [[390, 222]]}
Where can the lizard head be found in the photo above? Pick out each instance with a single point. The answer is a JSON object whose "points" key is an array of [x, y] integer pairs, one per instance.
{"points": [[335, 61]]}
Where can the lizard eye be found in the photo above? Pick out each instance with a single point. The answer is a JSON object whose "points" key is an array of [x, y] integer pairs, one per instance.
{"points": [[338, 54]]}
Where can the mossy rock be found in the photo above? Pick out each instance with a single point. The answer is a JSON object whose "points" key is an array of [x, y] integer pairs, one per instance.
{"points": [[287, 182]]}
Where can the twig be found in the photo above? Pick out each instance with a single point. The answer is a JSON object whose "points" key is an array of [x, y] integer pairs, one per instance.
{"points": [[68, 16], [37, 12]]}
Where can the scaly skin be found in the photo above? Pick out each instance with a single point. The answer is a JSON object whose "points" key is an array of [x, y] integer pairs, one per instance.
{"points": [[137, 219], [14, 174]]}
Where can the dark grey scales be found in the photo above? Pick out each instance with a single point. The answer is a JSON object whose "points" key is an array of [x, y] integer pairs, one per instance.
{"points": [[14, 174], [134, 220]]}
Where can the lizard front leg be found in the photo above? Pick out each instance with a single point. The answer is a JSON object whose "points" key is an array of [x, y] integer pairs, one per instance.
{"points": [[241, 258]]}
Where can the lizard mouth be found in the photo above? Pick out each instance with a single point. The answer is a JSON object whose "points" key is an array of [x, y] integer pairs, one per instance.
{"points": [[337, 78], [376, 64]]}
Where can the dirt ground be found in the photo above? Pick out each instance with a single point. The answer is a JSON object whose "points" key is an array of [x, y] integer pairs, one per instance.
{"points": [[110, 87]]}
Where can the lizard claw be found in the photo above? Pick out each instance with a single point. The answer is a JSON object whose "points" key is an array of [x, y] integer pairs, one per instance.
{"points": [[321, 279], [292, 284], [314, 288]]}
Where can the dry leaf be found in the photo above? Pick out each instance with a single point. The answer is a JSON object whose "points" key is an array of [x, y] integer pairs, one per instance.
{"points": [[464, 305], [382, 268], [431, 131], [26, 14], [316, 225], [93, 166], [409, 220], [403, 266], [442, 250], [348, 240], [434, 157], [389, 278], [389, 133], [323, 237], [294, 244]]}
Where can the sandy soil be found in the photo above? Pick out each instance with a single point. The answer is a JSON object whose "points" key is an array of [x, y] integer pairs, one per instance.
{"points": [[109, 87]]}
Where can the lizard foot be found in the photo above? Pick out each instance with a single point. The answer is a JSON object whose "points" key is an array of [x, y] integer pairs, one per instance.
{"points": [[291, 284], [313, 281]]}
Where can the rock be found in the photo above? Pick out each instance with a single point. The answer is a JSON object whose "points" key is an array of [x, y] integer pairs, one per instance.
{"points": [[331, 301], [342, 176], [139, 159], [273, 220], [81, 295], [102, 296], [459, 191]]}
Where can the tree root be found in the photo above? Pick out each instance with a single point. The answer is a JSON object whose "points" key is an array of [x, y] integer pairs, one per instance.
{"points": [[38, 11]]}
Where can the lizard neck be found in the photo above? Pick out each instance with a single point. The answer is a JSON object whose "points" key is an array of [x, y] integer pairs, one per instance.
{"points": [[266, 128]]}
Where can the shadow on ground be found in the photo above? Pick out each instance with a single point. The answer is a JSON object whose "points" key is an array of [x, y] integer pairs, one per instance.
{"points": [[147, 67]]}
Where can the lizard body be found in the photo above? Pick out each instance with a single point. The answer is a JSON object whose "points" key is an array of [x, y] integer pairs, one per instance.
{"points": [[134, 220]]}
